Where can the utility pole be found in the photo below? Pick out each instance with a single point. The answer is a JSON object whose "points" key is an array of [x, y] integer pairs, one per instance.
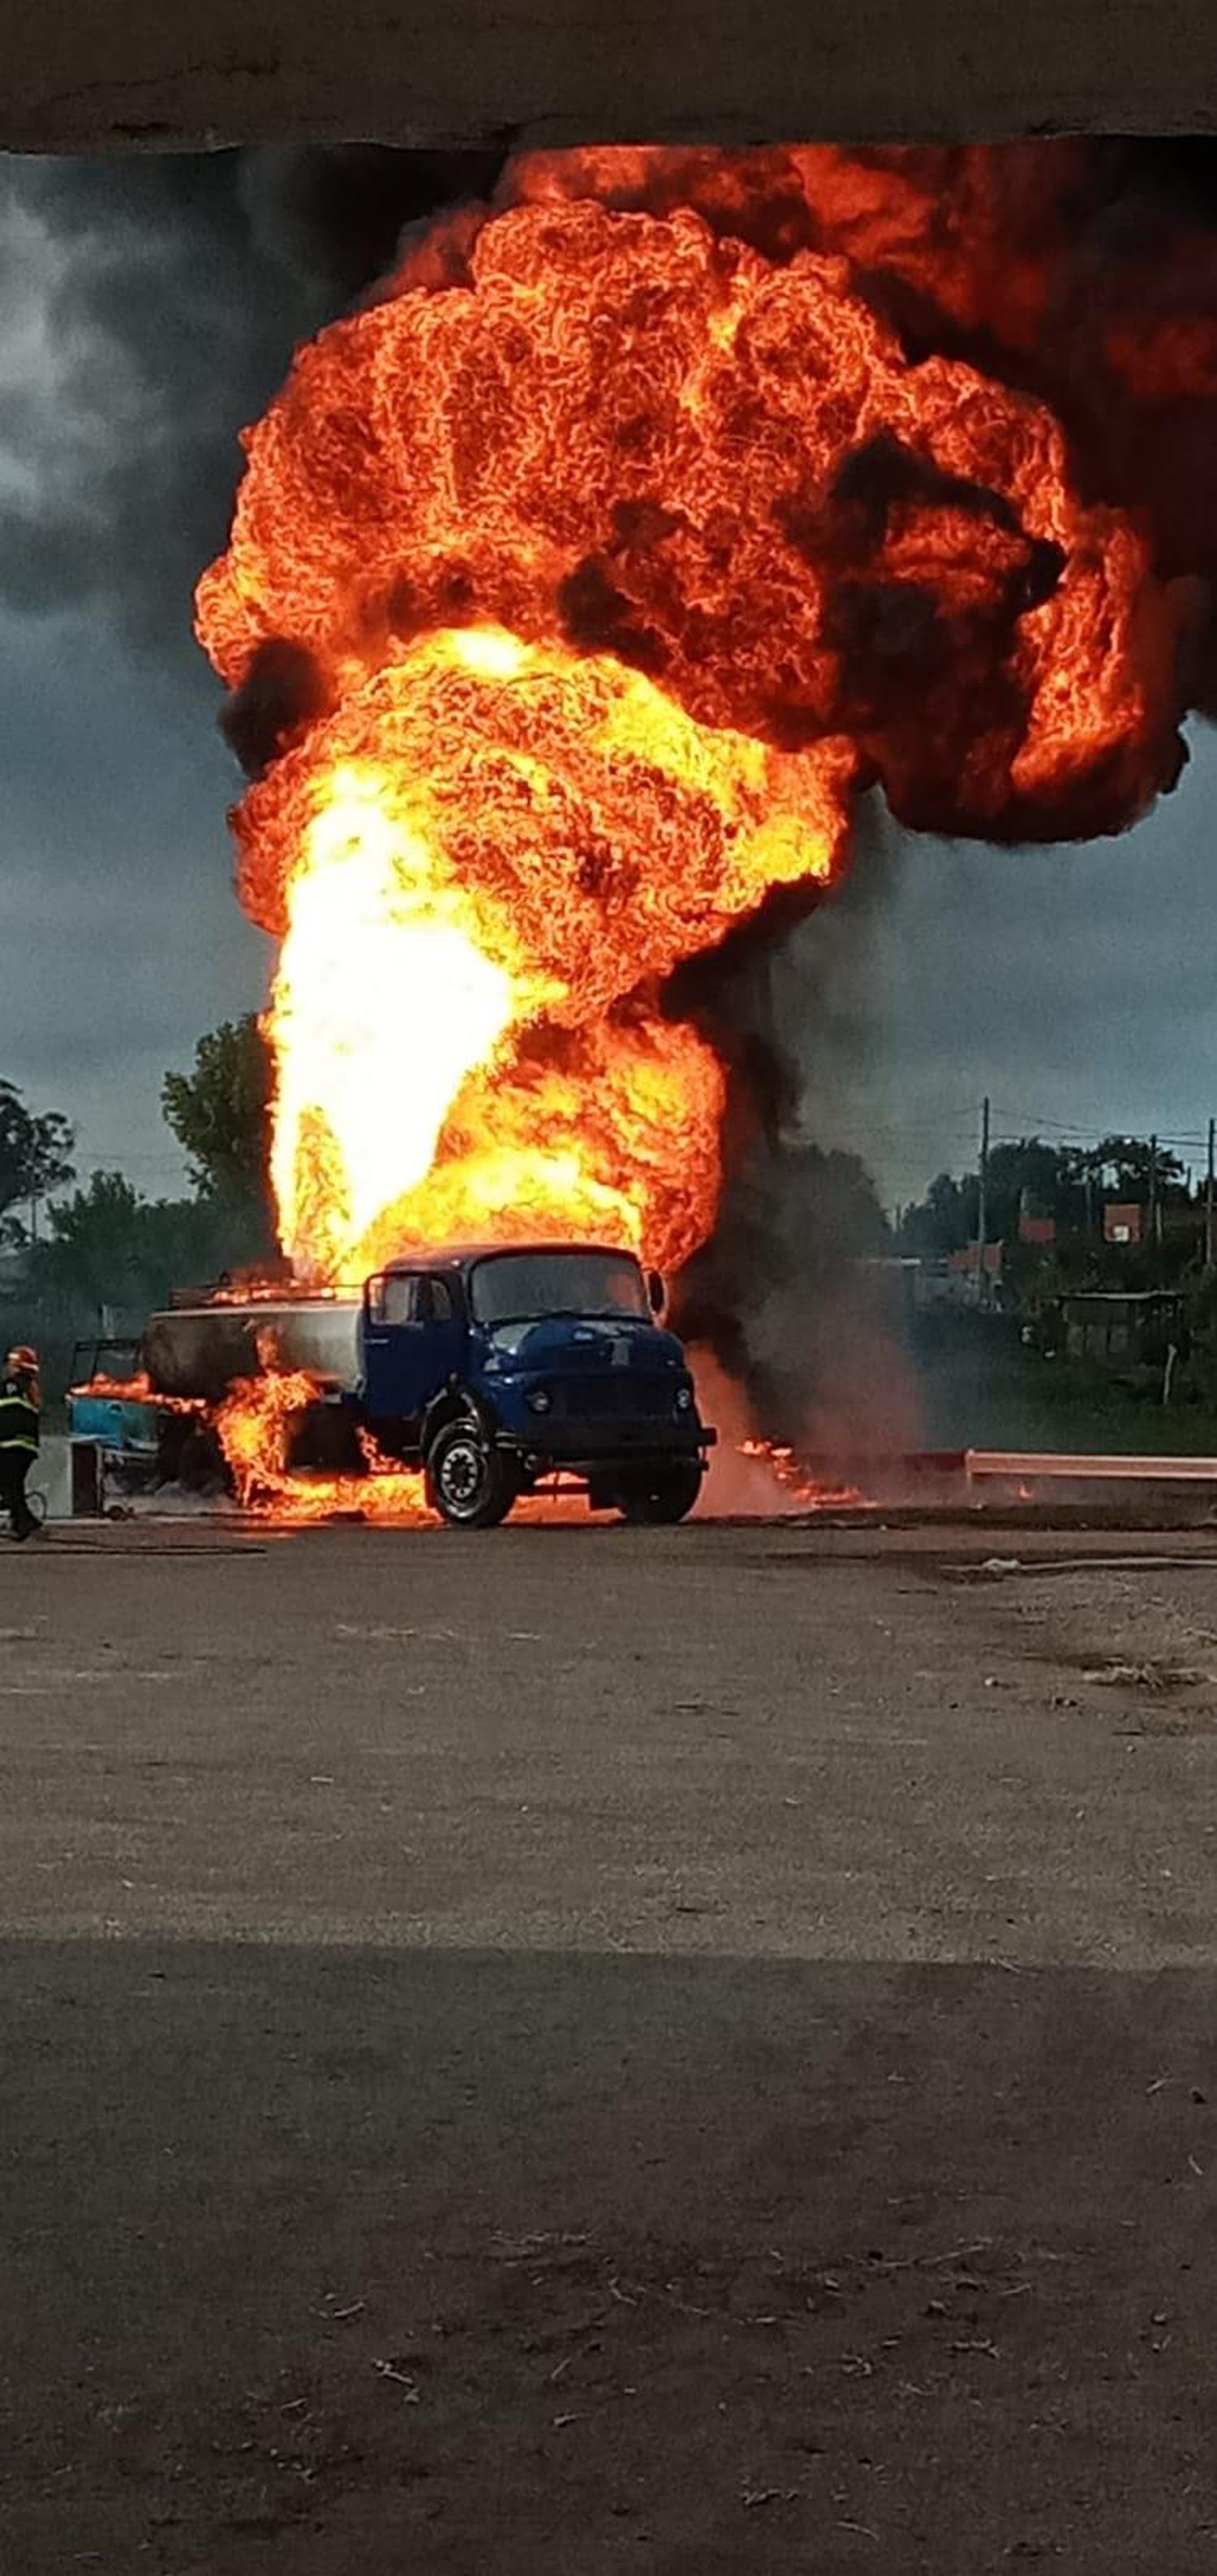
{"points": [[1208, 1197], [1155, 1212], [982, 1209]]}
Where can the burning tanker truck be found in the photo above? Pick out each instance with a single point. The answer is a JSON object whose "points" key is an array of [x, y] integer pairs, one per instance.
{"points": [[490, 1370], [578, 584]]}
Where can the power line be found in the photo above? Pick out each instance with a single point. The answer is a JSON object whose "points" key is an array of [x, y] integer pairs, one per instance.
{"points": [[1025, 1126]]}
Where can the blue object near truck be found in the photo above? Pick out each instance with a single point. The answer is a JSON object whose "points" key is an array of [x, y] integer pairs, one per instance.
{"points": [[493, 1368], [107, 1398]]}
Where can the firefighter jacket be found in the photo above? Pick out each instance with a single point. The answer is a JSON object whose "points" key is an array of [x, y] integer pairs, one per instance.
{"points": [[18, 1413]]}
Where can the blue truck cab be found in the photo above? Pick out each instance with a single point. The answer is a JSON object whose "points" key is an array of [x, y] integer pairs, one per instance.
{"points": [[496, 1366]]}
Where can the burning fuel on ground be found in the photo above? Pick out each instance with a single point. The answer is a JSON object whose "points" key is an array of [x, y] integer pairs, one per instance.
{"points": [[580, 583]]}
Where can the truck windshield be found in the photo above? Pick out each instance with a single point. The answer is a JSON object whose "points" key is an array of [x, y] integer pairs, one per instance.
{"points": [[510, 1287]]}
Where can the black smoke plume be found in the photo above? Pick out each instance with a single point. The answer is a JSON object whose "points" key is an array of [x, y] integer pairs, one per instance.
{"points": [[170, 295], [797, 1295], [282, 693]]}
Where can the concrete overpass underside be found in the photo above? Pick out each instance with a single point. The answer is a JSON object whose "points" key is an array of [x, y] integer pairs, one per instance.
{"points": [[83, 77]]}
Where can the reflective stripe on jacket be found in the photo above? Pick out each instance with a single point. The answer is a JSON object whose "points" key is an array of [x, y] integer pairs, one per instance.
{"points": [[18, 1415]]}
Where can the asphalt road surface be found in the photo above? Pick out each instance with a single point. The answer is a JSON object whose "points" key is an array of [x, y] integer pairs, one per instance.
{"points": [[579, 2051]]}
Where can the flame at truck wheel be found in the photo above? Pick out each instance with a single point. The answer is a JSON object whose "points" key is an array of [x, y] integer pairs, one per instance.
{"points": [[254, 1427], [616, 553]]}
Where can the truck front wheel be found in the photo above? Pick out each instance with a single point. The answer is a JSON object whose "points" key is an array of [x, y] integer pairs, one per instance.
{"points": [[470, 1484], [667, 1494]]}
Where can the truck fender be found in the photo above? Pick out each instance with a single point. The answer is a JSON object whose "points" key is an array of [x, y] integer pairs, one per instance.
{"points": [[454, 1403]]}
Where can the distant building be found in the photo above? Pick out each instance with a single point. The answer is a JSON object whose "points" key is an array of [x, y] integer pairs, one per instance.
{"points": [[1119, 1330], [953, 1278], [1036, 1229], [966, 1264]]}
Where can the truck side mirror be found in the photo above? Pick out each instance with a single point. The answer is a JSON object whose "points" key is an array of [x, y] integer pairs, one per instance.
{"points": [[656, 1291]]}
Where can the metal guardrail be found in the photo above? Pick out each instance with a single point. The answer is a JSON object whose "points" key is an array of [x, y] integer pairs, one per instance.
{"points": [[1022, 1466]]}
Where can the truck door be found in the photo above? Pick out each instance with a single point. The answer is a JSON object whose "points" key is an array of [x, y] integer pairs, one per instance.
{"points": [[413, 1340]]}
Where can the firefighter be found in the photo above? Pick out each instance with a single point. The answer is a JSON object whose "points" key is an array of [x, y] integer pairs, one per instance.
{"points": [[20, 1405]]}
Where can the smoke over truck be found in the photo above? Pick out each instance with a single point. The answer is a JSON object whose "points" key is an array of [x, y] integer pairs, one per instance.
{"points": [[491, 1369]]}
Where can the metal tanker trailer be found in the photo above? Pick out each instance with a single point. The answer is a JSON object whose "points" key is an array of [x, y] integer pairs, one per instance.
{"points": [[202, 1346]]}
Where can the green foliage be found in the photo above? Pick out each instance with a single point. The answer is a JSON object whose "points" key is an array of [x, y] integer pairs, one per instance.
{"points": [[1028, 1177], [109, 1250], [945, 1219], [35, 1151], [1127, 1161], [109, 1255], [219, 1113]]}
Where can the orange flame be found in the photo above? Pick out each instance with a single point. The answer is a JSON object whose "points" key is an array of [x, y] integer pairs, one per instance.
{"points": [[618, 552], [796, 1481], [494, 845], [254, 1426], [137, 1389]]}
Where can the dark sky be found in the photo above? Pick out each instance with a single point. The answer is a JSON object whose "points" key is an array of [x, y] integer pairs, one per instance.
{"points": [[146, 311], [1075, 985]]}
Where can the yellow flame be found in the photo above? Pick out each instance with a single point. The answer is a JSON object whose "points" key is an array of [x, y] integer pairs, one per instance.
{"points": [[482, 866], [382, 1004]]}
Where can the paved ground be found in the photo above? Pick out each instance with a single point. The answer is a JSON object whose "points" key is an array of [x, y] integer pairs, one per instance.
{"points": [[567, 2051]]}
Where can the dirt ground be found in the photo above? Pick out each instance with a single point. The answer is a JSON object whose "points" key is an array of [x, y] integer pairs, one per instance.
{"points": [[595, 2050]]}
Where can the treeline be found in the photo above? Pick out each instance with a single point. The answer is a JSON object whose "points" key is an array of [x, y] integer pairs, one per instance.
{"points": [[95, 1259], [1077, 1189]]}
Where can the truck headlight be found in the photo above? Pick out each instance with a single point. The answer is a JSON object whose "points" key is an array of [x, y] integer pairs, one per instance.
{"points": [[684, 1399], [539, 1399]]}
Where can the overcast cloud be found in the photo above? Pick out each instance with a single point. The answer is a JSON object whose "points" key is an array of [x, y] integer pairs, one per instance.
{"points": [[146, 311], [1073, 985]]}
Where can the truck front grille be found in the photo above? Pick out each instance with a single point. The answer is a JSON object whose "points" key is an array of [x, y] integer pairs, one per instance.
{"points": [[613, 1398]]}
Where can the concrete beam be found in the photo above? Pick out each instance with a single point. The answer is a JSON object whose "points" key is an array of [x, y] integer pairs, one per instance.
{"points": [[117, 75]]}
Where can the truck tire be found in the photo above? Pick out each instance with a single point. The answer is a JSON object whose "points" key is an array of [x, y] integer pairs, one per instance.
{"points": [[470, 1484], [668, 1494]]}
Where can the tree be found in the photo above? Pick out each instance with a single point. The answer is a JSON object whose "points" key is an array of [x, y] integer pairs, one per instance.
{"points": [[1069, 1183], [93, 1254], [220, 1113], [1028, 1177], [1130, 1163], [946, 1218], [108, 1248], [34, 1151]]}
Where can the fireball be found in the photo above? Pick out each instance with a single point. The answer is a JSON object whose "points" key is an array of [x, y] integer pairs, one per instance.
{"points": [[617, 553]]}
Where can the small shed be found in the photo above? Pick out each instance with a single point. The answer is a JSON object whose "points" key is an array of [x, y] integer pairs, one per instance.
{"points": [[1121, 1329]]}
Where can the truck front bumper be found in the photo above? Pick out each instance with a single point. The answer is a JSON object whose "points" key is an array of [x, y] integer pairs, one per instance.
{"points": [[630, 1445]]}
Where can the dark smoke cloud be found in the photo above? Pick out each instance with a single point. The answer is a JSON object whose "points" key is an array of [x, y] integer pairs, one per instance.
{"points": [[335, 219], [164, 329], [1084, 272], [792, 1294], [922, 682], [598, 618], [175, 289], [282, 693], [170, 295]]}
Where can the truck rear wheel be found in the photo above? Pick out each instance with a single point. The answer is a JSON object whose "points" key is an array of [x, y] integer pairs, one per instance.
{"points": [[471, 1485], [666, 1495]]}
